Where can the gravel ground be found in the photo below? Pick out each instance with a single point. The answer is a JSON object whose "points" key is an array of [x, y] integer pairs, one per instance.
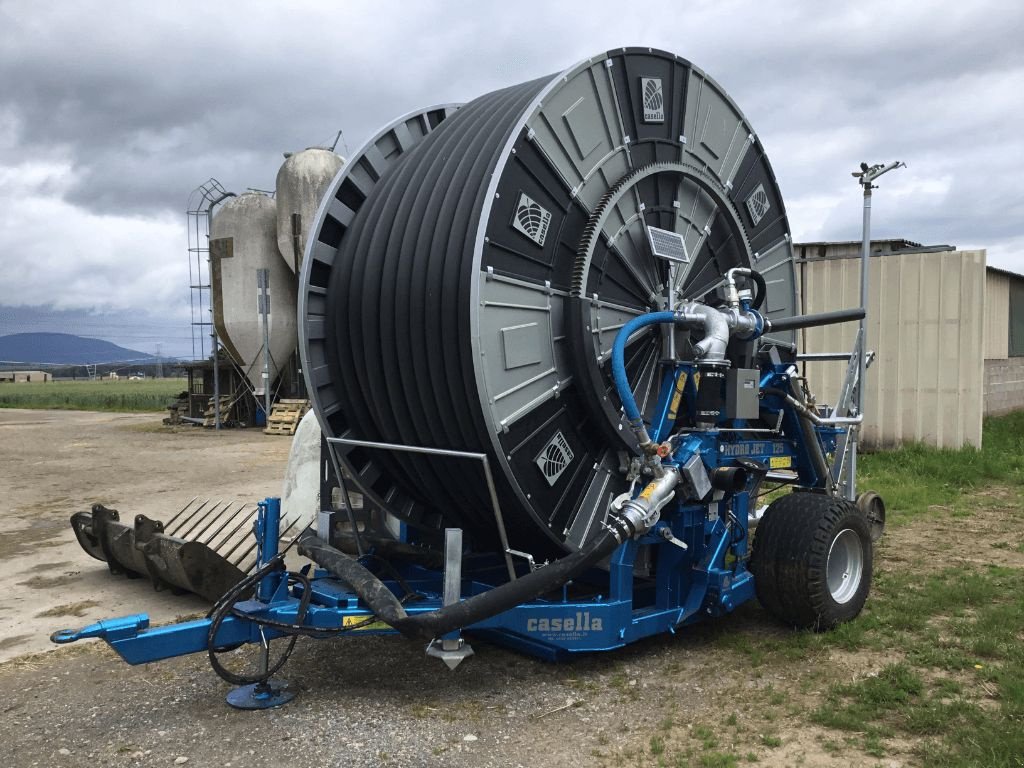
{"points": [[374, 701], [362, 701]]}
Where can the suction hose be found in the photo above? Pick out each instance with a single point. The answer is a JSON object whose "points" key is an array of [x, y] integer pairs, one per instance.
{"points": [[619, 376], [388, 609]]}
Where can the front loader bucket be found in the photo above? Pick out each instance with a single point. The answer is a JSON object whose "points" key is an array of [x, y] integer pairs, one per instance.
{"points": [[206, 548]]}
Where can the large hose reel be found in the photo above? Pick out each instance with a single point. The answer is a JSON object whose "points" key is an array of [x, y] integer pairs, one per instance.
{"points": [[471, 266]]}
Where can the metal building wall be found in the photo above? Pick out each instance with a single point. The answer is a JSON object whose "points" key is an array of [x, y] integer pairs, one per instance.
{"points": [[997, 316], [926, 325]]}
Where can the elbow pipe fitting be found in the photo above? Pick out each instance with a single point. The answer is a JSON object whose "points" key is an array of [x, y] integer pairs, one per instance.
{"points": [[712, 347], [718, 326], [753, 274]]}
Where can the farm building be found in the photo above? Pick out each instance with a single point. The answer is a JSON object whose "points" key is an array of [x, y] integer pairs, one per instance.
{"points": [[24, 376], [946, 329]]}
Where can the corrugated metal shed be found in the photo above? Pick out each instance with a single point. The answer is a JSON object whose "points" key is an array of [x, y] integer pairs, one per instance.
{"points": [[997, 315], [926, 324]]}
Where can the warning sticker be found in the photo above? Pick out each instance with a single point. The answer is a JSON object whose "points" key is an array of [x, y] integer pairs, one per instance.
{"points": [[363, 622], [780, 462]]}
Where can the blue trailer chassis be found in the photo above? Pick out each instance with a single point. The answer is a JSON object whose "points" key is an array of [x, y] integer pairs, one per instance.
{"points": [[701, 562]]}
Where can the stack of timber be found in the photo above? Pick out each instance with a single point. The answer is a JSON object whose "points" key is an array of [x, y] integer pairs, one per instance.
{"points": [[176, 409]]}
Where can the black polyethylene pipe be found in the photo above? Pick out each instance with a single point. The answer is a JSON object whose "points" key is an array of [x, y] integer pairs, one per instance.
{"points": [[387, 608]]}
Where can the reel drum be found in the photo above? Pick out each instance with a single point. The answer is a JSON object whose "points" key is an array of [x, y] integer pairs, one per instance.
{"points": [[470, 267]]}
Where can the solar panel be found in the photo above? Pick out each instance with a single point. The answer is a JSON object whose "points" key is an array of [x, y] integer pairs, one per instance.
{"points": [[668, 245]]}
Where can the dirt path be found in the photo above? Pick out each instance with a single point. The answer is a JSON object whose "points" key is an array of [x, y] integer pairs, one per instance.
{"points": [[54, 463]]}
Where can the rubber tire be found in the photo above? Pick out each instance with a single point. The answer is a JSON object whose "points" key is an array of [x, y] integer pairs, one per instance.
{"points": [[872, 507], [790, 554]]}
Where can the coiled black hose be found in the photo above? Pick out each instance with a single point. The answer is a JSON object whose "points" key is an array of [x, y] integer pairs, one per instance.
{"points": [[400, 346]]}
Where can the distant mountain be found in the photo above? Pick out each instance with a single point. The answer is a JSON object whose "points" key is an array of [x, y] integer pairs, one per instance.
{"points": [[64, 349]]}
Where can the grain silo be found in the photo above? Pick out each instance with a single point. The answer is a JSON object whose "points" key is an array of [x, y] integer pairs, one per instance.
{"points": [[301, 182], [243, 241]]}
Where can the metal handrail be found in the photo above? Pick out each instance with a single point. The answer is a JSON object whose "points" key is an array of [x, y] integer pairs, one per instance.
{"points": [[481, 457]]}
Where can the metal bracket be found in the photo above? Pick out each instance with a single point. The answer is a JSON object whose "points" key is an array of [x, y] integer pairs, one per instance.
{"points": [[851, 380], [481, 457], [525, 556]]}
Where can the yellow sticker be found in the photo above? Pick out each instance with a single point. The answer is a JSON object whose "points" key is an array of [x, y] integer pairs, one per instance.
{"points": [[647, 492], [780, 462], [357, 622], [680, 385]]}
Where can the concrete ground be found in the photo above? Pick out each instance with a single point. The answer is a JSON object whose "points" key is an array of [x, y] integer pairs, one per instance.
{"points": [[55, 463]]}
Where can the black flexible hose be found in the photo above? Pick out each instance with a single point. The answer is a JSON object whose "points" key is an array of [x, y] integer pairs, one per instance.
{"points": [[762, 289], [388, 609], [226, 605]]}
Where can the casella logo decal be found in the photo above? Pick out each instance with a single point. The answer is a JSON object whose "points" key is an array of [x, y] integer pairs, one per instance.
{"points": [[581, 622]]}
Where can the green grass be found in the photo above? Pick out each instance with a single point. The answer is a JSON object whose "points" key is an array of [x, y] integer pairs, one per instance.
{"points": [[119, 396], [953, 636], [942, 675], [976, 722], [718, 760], [960, 686], [915, 478], [657, 745]]}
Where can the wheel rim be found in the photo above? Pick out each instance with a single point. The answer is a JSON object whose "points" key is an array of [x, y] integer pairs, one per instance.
{"points": [[845, 566]]}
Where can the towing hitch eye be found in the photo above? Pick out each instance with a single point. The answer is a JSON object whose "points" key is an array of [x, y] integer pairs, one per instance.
{"points": [[108, 629]]}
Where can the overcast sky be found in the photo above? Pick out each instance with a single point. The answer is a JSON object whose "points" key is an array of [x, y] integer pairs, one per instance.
{"points": [[112, 112]]}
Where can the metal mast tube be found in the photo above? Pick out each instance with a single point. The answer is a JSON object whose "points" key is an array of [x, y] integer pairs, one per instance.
{"points": [[859, 399], [865, 177], [263, 280]]}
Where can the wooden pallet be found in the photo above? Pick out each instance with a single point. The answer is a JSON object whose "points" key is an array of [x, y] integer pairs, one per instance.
{"points": [[285, 416], [210, 417]]}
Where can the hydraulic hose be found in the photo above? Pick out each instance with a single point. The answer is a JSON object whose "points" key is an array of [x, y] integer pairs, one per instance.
{"points": [[762, 288], [388, 609]]}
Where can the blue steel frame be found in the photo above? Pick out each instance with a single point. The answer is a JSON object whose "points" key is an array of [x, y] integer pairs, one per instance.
{"points": [[707, 578]]}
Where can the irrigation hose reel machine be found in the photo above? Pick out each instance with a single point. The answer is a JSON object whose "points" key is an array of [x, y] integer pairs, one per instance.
{"points": [[549, 338]]}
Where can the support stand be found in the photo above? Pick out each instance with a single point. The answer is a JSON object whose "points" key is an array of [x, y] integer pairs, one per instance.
{"points": [[266, 693], [452, 648], [263, 695]]}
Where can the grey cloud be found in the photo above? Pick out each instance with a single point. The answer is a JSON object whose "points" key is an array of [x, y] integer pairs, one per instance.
{"points": [[145, 101]]}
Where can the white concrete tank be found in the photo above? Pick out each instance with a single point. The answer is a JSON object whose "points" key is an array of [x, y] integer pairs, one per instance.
{"points": [[301, 182], [300, 494], [243, 240]]}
